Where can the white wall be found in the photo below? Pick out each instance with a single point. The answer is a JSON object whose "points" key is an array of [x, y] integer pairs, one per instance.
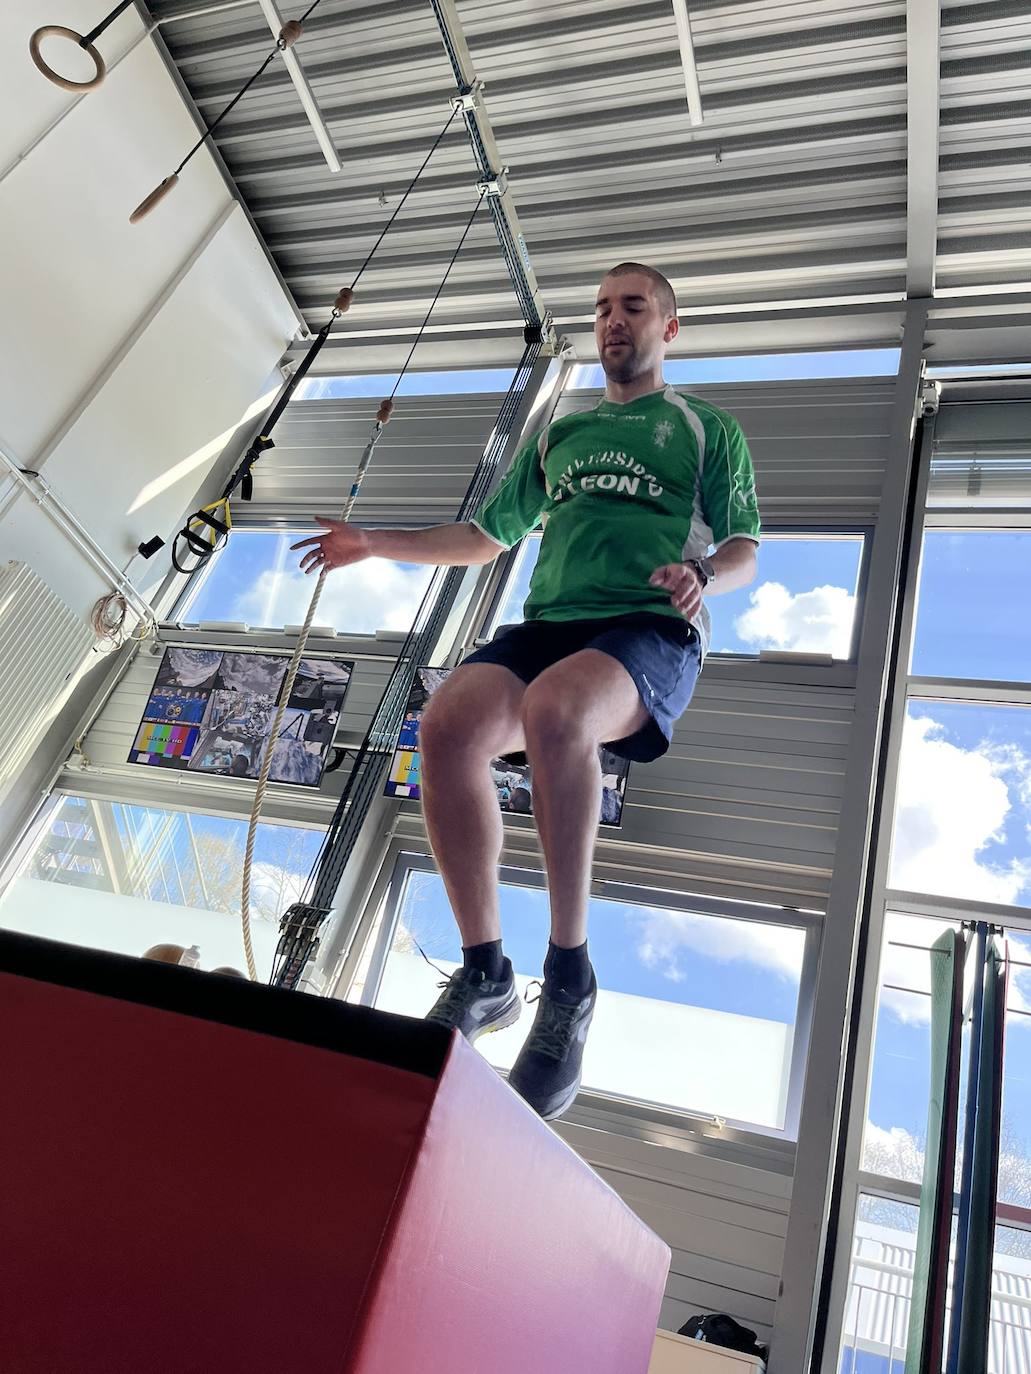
{"points": [[130, 354], [175, 324]]}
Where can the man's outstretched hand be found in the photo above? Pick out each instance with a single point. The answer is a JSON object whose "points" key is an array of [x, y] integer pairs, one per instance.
{"points": [[682, 583], [338, 546]]}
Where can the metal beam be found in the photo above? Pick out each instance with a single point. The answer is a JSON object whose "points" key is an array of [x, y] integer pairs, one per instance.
{"points": [[792, 1343], [923, 40], [304, 91], [494, 175], [687, 59]]}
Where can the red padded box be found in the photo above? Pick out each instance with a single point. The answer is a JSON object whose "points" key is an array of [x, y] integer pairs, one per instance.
{"points": [[204, 1176]]}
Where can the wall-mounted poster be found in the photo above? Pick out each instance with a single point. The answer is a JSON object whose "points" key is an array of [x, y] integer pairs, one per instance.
{"points": [[211, 711], [512, 777]]}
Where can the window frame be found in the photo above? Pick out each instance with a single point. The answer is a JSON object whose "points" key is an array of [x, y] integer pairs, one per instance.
{"points": [[489, 621], [641, 1116]]}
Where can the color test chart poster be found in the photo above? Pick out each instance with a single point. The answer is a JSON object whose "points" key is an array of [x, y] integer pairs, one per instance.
{"points": [[211, 711]]}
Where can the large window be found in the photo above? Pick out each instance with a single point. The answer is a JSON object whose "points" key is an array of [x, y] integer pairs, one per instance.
{"points": [[961, 852], [120, 877], [974, 620], [697, 1012], [803, 600], [255, 579]]}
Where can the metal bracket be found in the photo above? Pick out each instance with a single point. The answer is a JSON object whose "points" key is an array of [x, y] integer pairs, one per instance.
{"points": [[468, 100], [930, 398], [495, 185]]}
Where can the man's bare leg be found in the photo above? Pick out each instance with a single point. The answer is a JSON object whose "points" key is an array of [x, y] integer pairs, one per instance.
{"points": [[471, 719], [568, 712]]}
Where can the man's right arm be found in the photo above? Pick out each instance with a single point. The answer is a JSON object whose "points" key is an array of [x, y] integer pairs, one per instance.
{"points": [[338, 546]]}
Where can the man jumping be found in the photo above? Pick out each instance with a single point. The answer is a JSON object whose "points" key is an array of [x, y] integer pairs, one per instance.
{"points": [[648, 506]]}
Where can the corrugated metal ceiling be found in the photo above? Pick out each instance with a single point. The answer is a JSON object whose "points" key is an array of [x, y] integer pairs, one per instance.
{"points": [[793, 189]]}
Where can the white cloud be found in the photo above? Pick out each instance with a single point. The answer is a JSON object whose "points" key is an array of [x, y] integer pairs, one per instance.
{"points": [[374, 595], [894, 1153], [666, 936], [816, 622], [273, 889], [952, 804]]}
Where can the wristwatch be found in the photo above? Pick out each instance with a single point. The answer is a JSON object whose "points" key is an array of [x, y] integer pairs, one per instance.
{"points": [[703, 567]]}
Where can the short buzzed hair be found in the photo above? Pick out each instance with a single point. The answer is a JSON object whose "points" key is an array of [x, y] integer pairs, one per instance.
{"points": [[665, 293]]}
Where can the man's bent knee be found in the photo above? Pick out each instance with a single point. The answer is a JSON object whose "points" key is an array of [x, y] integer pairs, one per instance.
{"points": [[471, 718], [554, 719]]}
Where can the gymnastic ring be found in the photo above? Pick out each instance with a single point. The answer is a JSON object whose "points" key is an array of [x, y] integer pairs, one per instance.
{"points": [[59, 31]]}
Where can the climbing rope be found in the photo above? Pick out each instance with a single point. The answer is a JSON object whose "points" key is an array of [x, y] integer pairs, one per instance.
{"points": [[382, 418]]}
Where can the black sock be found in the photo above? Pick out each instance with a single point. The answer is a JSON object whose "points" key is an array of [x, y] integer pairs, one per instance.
{"points": [[487, 958], [568, 968]]}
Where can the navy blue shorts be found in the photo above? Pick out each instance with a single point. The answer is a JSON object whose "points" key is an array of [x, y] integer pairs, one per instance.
{"points": [[662, 655]]}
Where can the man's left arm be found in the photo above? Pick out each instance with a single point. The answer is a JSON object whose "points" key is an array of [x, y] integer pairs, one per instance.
{"points": [[734, 564], [731, 510]]}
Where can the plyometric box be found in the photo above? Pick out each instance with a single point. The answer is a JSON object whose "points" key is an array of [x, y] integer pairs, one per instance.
{"points": [[203, 1174]]}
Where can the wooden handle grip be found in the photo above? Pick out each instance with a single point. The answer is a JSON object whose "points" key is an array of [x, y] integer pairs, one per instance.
{"points": [[386, 409], [290, 32], [159, 192], [343, 300]]}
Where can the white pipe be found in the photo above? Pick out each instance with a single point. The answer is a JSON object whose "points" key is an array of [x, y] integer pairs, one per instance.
{"points": [[694, 94], [304, 90], [78, 535]]}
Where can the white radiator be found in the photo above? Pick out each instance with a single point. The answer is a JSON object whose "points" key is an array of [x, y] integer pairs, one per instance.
{"points": [[42, 643]]}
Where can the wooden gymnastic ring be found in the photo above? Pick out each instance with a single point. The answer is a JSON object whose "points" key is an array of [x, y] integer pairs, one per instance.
{"points": [[386, 409], [343, 300], [147, 204], [290, 32], [59, 31]]}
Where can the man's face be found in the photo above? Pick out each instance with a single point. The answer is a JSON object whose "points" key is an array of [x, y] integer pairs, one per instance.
{"points": [[631, 329]]}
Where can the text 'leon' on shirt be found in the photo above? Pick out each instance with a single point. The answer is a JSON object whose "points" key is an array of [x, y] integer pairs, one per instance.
{"points": [[622, 490]]}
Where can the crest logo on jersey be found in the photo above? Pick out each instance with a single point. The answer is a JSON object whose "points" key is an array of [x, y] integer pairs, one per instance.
{"points": [[663, 433], [744, 494]]}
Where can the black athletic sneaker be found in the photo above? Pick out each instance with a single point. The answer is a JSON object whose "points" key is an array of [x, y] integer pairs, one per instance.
{"points": [[475, 1004], [547, 1072]]}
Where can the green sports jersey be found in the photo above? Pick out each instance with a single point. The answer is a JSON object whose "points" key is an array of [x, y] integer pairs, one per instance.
{"points": [[621, 490]]}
